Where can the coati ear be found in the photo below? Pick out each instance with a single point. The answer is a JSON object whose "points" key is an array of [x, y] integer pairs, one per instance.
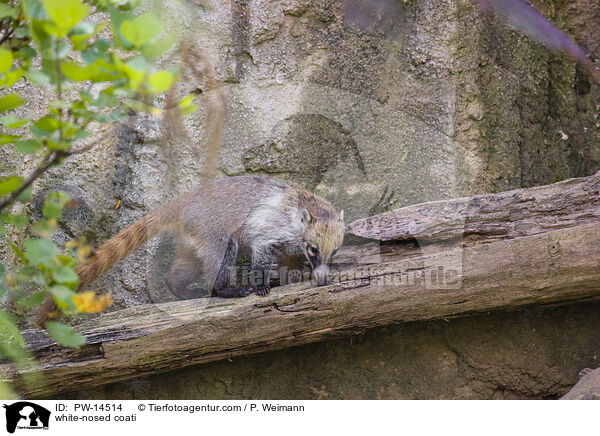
{"points": [[305, 216]]}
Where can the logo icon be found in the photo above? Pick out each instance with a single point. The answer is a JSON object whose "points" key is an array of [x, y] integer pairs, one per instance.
{"points": [[24, 414]]}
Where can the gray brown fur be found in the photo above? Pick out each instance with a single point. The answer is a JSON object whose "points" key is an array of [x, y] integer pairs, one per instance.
{"points": [[213, 222]]}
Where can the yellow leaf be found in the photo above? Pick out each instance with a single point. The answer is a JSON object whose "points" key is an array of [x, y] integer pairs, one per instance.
{"points": [[88, 302]]}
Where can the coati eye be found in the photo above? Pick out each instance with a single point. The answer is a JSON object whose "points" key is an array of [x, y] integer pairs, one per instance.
{"points": [[312, 250], [334, 252]]}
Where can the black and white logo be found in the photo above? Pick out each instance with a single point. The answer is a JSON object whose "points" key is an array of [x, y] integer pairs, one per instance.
{"points": [[26, 415]]}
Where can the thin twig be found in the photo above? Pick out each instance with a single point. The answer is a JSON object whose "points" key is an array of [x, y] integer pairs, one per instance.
{"points": [[8, 32], [51, 159], [89, 146]]}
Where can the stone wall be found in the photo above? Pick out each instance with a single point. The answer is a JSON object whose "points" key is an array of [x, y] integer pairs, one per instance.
{"points": [[431, 100]]}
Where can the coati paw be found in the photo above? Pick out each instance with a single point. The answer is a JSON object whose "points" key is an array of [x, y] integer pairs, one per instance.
{"points": [[261, 289]]}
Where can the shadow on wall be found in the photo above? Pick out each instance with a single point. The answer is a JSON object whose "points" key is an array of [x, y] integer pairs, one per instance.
{"points": [[305, 147]]}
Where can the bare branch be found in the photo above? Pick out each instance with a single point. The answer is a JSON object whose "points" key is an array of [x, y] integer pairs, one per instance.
{"points": [[50, 160]]}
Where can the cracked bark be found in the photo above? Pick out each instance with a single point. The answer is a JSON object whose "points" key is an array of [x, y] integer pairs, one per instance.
{"points": [[516, 249]]}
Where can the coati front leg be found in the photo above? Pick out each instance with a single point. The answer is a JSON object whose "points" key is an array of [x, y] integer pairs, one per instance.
{"points": [[226, 282], [262, 264], [257, 281], [190, 273]]}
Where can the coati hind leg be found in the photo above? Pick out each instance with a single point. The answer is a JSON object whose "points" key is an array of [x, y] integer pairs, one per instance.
{"points": [[190, 276], [185, 278]]}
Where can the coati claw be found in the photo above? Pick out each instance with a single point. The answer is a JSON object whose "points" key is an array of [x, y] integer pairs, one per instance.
{"points": [[262, 289]]}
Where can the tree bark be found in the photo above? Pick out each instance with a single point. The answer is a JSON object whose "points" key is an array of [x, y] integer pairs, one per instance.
{"points": [[509, 214], [551, 259]]}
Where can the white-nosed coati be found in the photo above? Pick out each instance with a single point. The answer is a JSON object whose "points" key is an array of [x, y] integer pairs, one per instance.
{"points": [[213, 222]]}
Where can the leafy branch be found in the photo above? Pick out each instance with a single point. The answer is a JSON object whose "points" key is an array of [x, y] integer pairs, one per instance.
{"points": [[63, 46]]}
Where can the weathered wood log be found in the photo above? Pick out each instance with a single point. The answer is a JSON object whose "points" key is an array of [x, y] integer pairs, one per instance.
{"points": [[554, 267], [504, 215], [531, 247]]}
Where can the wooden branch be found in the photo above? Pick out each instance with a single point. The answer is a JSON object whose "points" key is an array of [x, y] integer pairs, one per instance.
{"points": [[532, 247], [558, 266], [508, 214]]}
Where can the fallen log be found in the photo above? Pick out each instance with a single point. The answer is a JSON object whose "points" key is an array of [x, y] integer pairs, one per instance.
{"points": [[508, 214], [555, 266]]}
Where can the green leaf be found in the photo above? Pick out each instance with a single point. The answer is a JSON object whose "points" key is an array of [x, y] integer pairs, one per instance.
{"points": [[40, 251], [81, 33], [66, 13], [8, 11], [64, 274], [58, 145], [28, 146], [18, 252], [186, 105], [37, 77], [9, 184], [155, 49], [116, 19], [141, 29], [9, 102], [82, 134], [6, 60], [33, 300], [65, 335], [99, 49], [53, 205], [12, 77], [7, 139], [25, 196], [91, 72], [161, 81], [19, 221], [67, 260], [26, 53], [12, 122], [62, 50], [44, 228], [11, 341], [33, 9], [51, 29], [84, 28], [64, 298], [47, 123], [52, 210], [139, 63], [78, 73]]}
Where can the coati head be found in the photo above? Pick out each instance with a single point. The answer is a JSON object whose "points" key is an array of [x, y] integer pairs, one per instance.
{"points": [[322, 237]]}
